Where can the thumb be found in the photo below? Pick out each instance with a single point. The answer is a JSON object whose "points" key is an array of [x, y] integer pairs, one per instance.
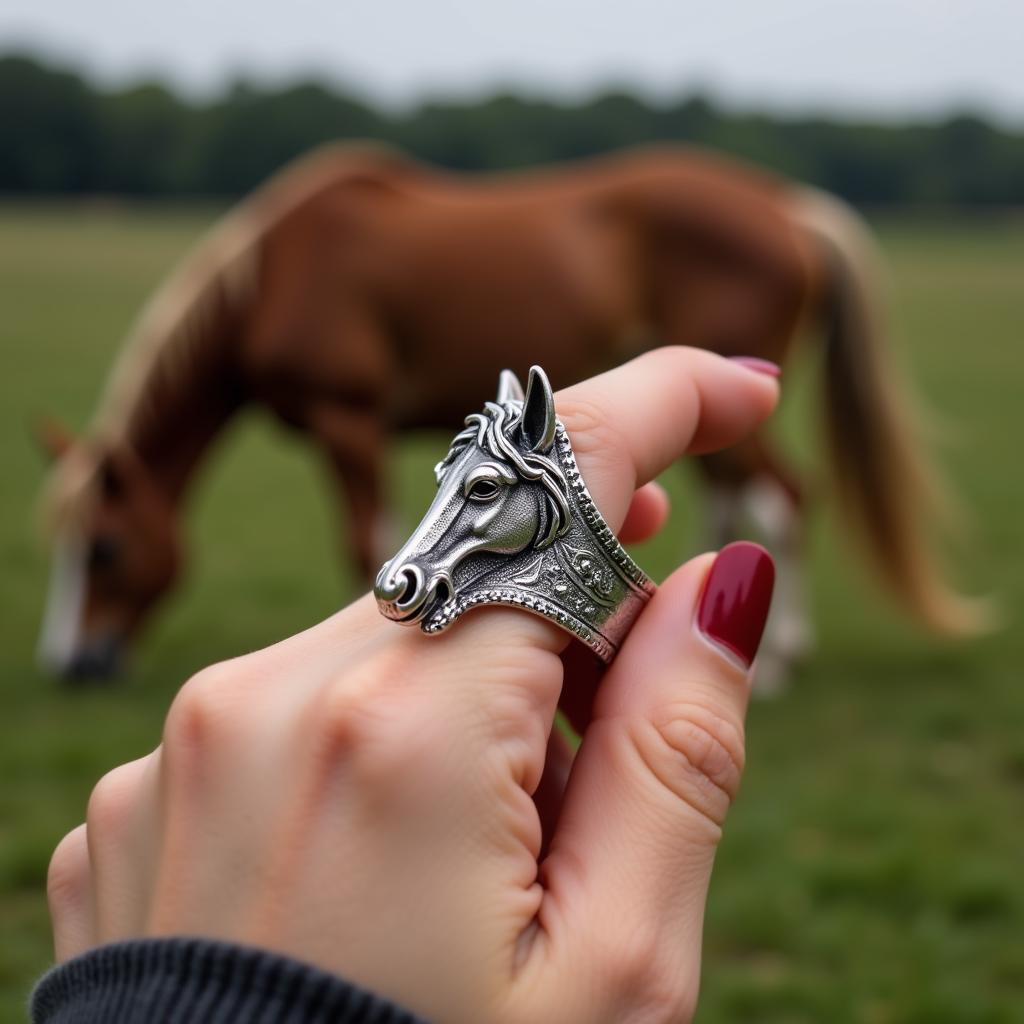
{"points": [[630, 863]]}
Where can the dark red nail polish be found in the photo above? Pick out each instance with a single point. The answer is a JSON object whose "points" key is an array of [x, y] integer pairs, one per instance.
{"points": [[737, 595], [758, 365]]}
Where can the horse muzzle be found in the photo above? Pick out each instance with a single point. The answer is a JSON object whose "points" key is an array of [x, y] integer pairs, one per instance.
{"points": [[97, 659], [404, 593]]}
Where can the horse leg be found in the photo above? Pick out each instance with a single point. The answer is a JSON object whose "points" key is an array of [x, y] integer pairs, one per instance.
{"points": [[751, 487], [354, 442]]}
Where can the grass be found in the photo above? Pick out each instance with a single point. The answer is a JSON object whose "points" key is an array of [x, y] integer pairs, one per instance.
{"points": [[873, 869]]}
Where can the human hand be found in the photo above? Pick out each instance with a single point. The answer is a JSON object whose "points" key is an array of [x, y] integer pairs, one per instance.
{"points": [[398, 809]]}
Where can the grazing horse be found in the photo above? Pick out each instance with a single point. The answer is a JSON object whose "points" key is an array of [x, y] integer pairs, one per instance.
{"points": [[359, 294]]}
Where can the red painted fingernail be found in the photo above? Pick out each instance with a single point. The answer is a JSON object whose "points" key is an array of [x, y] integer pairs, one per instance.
{"points": [[758, 365], [737, 595]]}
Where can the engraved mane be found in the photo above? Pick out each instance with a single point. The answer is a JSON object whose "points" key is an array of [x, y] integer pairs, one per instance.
{"points": [[495, 431]]}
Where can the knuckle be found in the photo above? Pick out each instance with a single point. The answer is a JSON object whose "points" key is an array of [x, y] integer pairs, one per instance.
{"points": [[358, 719], [678, 360], [112, 801], [696, 753], [382, 728], [202, 708], [68, 872], [398, 750], [341, 718], [393, 721], [594, 437]]}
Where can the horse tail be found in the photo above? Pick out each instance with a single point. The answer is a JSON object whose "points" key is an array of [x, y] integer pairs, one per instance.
{"points": [[888, 488]]}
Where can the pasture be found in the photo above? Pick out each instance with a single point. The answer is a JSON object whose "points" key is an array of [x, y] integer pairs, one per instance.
{"points": [[873, 869]]}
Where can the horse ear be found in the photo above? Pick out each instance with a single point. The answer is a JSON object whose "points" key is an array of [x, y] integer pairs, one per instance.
{"points": [[509, 388], [119, 470], [53, 437], [538, 424]]}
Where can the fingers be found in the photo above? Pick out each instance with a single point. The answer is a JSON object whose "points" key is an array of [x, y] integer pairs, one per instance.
{"points": [[633, 422], [119, 831], [659, 765], [69, 894], [626, 427], [93, 886]]}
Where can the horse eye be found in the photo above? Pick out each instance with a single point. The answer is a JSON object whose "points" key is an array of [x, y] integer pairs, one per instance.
{"points": [[483, 490], [103, 553]]}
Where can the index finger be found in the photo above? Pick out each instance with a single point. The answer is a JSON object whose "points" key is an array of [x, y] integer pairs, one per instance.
{"points": [[633, 422], [626, 426]]}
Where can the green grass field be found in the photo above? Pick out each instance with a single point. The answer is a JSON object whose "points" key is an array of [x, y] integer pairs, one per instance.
{"points": [[873, 868]]}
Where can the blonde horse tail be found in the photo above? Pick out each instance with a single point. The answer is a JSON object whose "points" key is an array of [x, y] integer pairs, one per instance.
{"points": [[887, 487]]}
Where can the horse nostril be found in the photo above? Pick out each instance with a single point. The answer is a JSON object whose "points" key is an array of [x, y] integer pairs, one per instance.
{"points": [[409, 580], [402, 594], [389, 588]]}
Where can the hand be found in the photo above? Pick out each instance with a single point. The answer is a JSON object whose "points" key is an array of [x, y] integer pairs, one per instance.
{"points": [[398, 809]]}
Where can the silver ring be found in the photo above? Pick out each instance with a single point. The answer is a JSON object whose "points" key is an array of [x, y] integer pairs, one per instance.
{"points": [[514, 524]]}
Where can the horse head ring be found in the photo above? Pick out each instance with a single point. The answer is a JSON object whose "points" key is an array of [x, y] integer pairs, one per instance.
{"points": [[512, 523]]}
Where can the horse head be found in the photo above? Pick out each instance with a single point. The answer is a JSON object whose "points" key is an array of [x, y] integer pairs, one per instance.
{"points": [[116, 551], [499, 491]]}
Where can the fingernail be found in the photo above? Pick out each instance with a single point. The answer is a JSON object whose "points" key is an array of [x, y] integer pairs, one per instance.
{"points": [[764, 366], [737, 595]]}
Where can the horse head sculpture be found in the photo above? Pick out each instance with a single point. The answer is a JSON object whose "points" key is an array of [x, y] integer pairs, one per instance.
{"points": [[500, 491]]}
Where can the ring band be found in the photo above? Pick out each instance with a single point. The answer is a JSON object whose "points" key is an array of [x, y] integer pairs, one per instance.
{"points": [[514, 524]]}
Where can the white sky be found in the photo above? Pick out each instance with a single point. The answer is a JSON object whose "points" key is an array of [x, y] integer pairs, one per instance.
{"points": [[880, 57]]}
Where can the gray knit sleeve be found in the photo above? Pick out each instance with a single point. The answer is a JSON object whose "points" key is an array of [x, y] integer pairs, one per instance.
{"points": [[201, 981]]}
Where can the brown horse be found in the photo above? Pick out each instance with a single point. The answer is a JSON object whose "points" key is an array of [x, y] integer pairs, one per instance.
{"points": [[359, 294]]}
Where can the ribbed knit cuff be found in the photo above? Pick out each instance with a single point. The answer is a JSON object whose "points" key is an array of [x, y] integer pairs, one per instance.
{"points": [[199, 980]]}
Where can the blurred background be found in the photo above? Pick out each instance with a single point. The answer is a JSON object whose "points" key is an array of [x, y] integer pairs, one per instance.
{"points": [[874, 866]]}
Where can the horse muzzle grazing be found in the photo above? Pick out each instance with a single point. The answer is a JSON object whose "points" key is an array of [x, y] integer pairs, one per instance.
{"points": [[98, 658], [66, 648]]}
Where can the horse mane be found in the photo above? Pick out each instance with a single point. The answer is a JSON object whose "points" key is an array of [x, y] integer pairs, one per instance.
{"points": [[493, 430], [217, 278]]}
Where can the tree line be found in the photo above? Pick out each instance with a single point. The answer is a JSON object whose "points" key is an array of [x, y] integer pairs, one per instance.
{"points": [[62, 134]]}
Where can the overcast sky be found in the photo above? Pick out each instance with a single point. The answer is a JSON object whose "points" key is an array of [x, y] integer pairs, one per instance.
{"points": [[883, 57]]}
